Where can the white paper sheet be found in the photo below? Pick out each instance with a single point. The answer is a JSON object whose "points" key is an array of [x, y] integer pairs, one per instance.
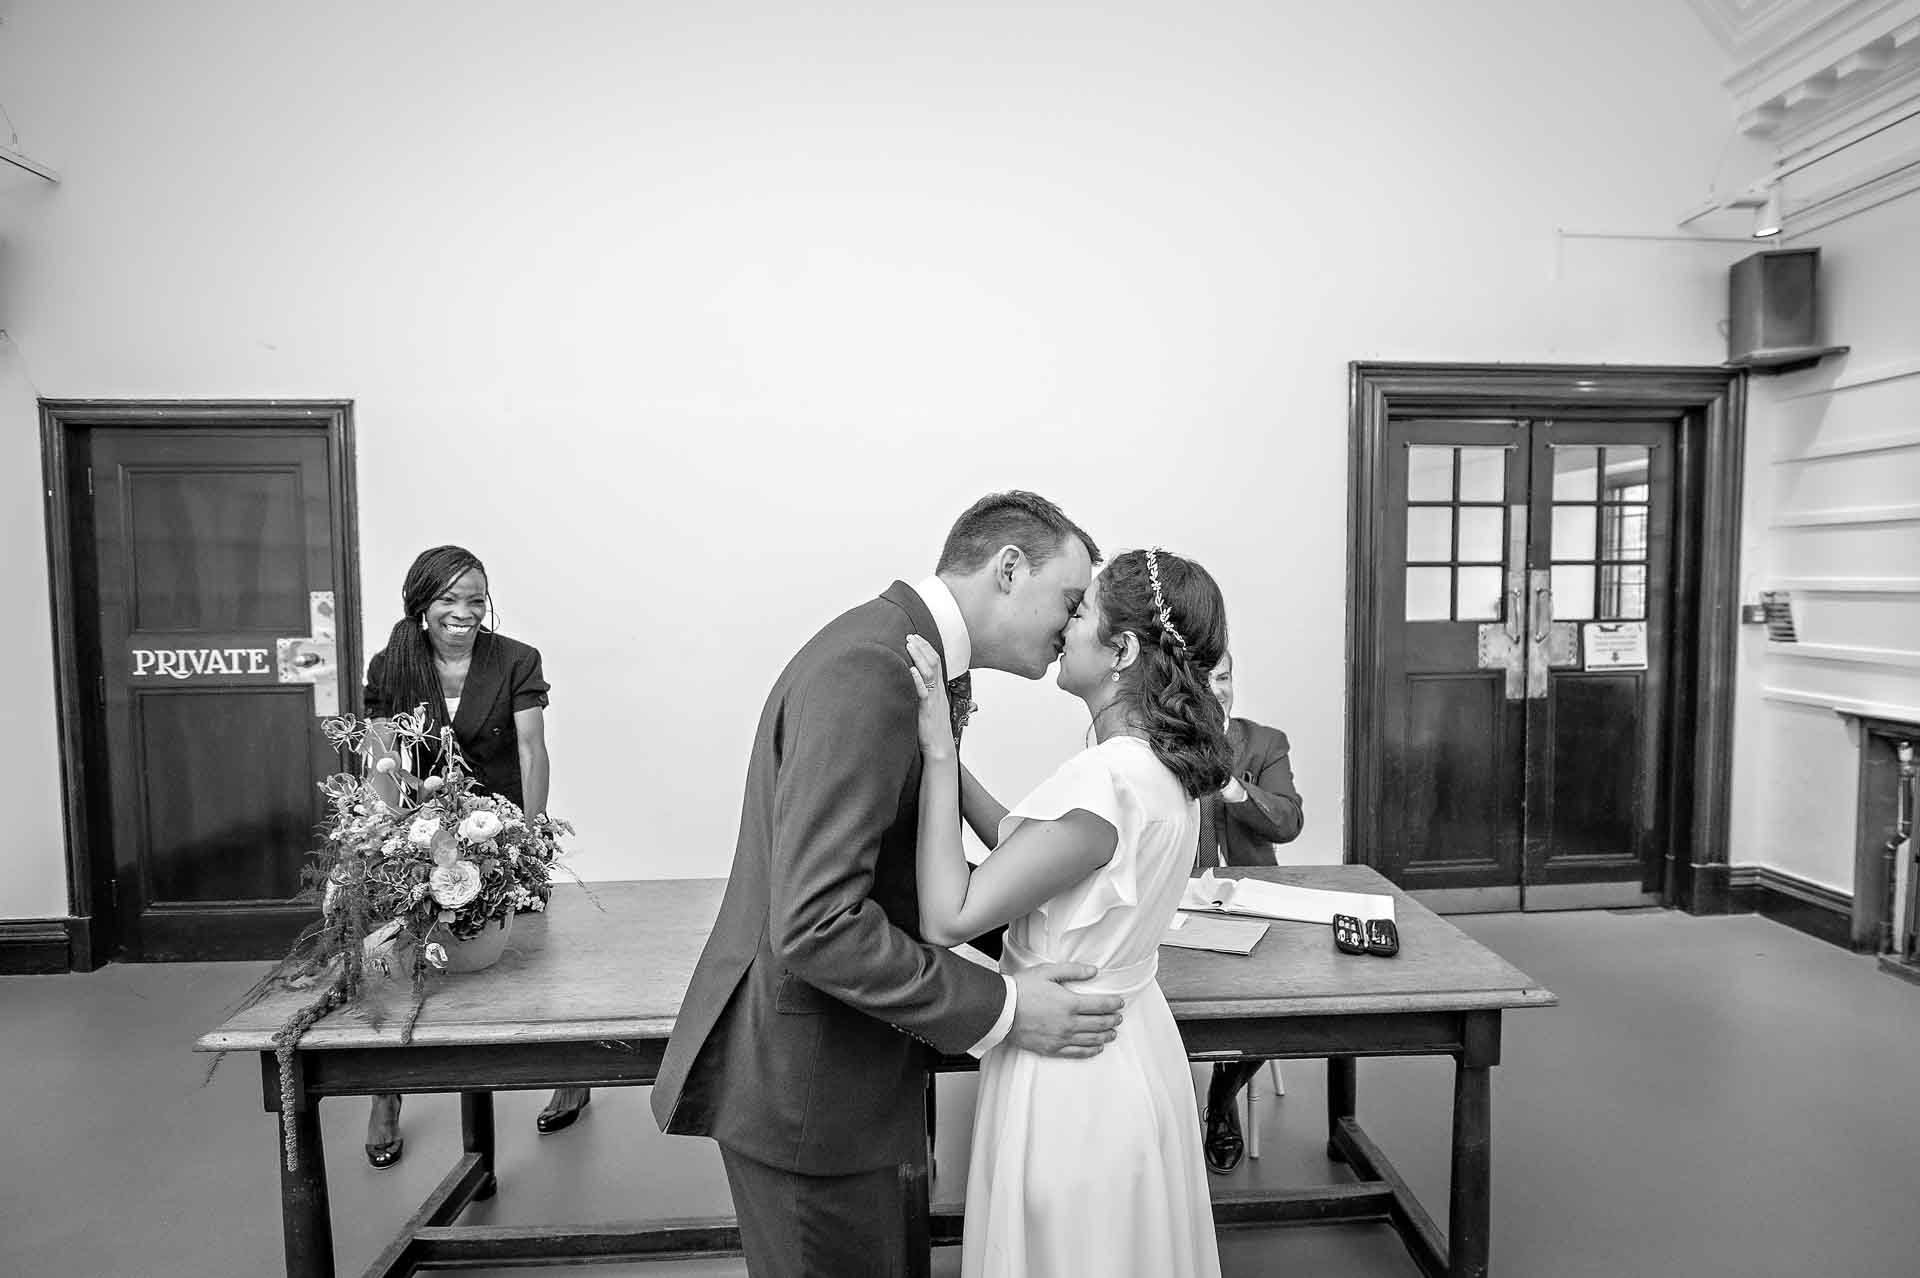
{"points": [[1281, 900], [1212, 931]]}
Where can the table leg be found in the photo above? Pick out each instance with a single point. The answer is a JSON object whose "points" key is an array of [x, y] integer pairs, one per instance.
{"points": [[1340, 1099], [304, 1214], [916, 1193], [1470, 1198], [476, 1131]]}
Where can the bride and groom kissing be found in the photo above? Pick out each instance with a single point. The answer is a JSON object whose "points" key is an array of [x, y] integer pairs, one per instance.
{"points": [[827, 986]]}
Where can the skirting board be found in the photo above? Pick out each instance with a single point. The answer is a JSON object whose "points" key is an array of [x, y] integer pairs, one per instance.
{"points": [[1822, 912], [35, 947]]}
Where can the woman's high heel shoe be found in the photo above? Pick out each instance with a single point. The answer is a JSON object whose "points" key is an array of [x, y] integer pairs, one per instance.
{"points": [[558, 1120], [385, 1153]]}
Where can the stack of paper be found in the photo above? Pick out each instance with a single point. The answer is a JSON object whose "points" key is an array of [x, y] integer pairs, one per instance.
{"points": [[1211, 932], [1281, 900]]}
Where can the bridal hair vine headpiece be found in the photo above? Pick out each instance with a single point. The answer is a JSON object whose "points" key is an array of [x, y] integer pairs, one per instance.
{"points": [[1160, 600]]}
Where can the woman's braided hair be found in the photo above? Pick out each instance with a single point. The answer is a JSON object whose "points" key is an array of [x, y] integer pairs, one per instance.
{"points": [[410, 675], [1174, 609]]}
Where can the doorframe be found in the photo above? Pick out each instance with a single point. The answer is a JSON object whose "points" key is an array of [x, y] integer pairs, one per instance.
{"points": [[64, 465], [1709, 455]]}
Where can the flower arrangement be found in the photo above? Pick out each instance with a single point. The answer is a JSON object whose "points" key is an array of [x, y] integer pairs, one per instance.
{"points": [[407, 866], [433, 854]]}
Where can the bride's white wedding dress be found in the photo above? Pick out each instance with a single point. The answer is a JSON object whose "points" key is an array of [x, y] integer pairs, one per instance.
{"points": [[1084, 1167]]}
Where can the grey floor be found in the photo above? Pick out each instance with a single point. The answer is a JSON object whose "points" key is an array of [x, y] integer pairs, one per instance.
{"points": [[1713, 1097]]}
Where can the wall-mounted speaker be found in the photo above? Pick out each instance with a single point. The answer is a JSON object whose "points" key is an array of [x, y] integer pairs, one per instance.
{"points": [[1773, 309]]}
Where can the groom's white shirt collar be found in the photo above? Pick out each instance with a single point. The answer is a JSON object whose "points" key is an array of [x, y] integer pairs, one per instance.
{"points": [[955, 642]]}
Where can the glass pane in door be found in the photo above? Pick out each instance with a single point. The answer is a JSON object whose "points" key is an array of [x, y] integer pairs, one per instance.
{"points": [[1576, 473], [1483, 474], [1429, 473], [1429, 594], [1429, 534]]}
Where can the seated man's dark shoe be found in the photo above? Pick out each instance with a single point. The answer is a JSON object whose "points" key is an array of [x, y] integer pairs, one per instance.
{"points": [[385, 1155], [1223, 1145], [551, 1119]]}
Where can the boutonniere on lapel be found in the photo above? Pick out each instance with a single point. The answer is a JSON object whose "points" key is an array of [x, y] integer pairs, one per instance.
{"points": [[960, 702]]}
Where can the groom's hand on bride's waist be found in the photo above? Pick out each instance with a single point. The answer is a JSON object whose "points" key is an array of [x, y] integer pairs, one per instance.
{"points": [[1052, 1020]]}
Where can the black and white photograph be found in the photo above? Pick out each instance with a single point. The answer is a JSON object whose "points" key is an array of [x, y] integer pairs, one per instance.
{"points": [[1062, 639]]}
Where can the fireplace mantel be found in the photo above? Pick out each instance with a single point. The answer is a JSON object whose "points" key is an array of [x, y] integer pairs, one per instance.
{"points": [[1881, 923]]}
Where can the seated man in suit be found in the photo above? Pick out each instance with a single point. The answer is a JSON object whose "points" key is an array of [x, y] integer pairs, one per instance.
{"points": [[1257, 808]]}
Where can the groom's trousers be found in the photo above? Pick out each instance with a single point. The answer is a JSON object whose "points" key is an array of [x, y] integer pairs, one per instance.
{"points": [[798, 1226]]}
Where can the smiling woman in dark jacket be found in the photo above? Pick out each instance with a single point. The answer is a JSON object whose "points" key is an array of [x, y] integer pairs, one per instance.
{"points": [[490, 689]]}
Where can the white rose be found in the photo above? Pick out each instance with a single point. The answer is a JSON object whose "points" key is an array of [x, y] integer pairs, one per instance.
{"points": [[455, 885], [421, 832], [479, 826]]}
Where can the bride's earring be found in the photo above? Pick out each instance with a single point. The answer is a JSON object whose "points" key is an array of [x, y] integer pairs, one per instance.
{"points": [[423, 623], [1116, 676]]}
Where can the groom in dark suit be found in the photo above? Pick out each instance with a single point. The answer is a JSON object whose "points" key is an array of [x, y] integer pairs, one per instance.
{"points": [[805, 1039]]}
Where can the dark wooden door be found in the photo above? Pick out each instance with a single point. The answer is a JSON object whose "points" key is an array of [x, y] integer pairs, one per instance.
{"points": [[215, 554], [1523, 612], [1599, 608]]}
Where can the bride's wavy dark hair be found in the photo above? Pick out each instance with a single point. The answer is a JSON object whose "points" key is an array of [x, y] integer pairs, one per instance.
{"points": [[1166, 687]]}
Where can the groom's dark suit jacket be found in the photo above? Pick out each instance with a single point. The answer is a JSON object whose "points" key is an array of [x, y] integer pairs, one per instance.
{"points": [[807, 1030]]}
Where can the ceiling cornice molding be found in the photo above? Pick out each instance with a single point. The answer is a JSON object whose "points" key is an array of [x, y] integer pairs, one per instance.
{"points": [[1804, 62], [1814, 80], [1894, 93], [1744, 28], [1786, 40]]}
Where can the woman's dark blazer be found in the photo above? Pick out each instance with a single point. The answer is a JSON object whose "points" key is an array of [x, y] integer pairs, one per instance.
{"points": [[503, 678], [1245, 833]]}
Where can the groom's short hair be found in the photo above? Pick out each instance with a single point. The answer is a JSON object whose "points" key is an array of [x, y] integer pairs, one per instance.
{"points": [[1016, 518]]}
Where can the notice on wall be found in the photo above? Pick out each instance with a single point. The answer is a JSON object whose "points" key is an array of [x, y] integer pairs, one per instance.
{"points": [[1614, 645]]}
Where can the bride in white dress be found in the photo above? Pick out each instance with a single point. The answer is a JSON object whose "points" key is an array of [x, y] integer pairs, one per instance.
{"points": [[1089, 1166]]}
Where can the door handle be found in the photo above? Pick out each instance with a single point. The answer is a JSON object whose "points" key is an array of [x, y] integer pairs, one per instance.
{"points": [[1503, 644], [1541, 621], [1516, 574], [313, 657]]}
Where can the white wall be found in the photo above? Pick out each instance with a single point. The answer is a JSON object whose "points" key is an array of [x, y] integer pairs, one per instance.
{"points": [[700, 321], [33, 878], [1796, 766]]}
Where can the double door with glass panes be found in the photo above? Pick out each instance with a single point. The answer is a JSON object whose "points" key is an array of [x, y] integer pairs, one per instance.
{"points": [[1524, 614]]}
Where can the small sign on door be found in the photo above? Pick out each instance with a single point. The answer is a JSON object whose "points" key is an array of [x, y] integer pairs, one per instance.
{"points": [[1614, 645]]}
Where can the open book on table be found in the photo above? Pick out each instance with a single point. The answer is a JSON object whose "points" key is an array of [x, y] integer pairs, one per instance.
{"points": [[1281, 900]]}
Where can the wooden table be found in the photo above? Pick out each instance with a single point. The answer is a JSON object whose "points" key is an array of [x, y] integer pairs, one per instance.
{"points": [[587, 997]]}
